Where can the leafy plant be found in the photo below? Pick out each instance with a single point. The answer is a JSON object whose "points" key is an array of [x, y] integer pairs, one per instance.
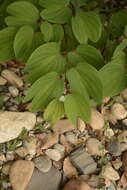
{"points": [[71, 53]]}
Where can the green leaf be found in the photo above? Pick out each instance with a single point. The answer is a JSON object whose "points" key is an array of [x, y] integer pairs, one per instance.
{"points": [[44, 59], [76, 107], [23, 13], [120, 48], [47, 31], [58, 33], [6, 44], [76, 84], [114, 79], [91, 55], [51, 3], [42, 96], [73, 59], [54, 111], [23, 42], [57, 14], [79, 29], [87, 25], [91, 81]]}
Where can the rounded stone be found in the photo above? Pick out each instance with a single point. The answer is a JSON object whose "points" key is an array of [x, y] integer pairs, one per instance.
{"points": [[13, 91], [118, 111], [53, 154], [43, 163], [20, 174], [94, 147], [97, 121]]}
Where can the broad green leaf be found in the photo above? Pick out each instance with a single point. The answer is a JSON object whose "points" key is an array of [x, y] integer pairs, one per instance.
{"points": [[23, 13], [76, 84], [114, 79], [57, 14], [79, 29], [117, 22], [51, 3], [91, 81], [54, 111], [120, 48], [87, 25], [58, 32], [44, 59], [91, 55], [73, 59], [42, 96], [6, 44], [76, 107], [23, 42], [37, 40], [125, 31], [47, 31]]}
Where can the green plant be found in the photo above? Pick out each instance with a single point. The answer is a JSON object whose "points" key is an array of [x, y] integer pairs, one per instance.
{"points": [[72, 54]]}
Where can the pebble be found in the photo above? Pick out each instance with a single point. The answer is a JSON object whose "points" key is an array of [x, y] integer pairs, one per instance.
{"points": [[69, 170], [49, 140], [124, 121], [71, 137], [13, 91], [20, 173], [114, 147], [109, 133], [12, 78], [83, 161], [2, 81], [21, 152], [117, 164], [53, 154], [75, 184], [97, 121], [81, 125], [122, 137], [94, 147], [124, 94], [60, 148], [63, 126], [10, 156], [43, 163], [110, 173], [45, 181], [124, 160], [118, 111], [6, 168], [2, 158], [12, 123], [30, 144]]}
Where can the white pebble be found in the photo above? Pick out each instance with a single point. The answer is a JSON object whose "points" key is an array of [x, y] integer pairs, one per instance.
{"points": [[118, 111], [14, 91]]}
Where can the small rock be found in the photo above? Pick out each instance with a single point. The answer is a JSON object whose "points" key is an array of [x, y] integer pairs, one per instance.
{"points": [[83, 161], [2, 158], [97, 121], [75, 184], [94, 181], [14, 91], [124, 122], [10, 156], [22, 152], [12, 78], [6, 168], [109, 173], [49, 140], [67, 145], [69, 170], [45, 181], [30, 145], [114, 147], [118, 111], [109, 133], [53, 154], [117, 164], [94, 147], [60, 148], [12, 123], [2, 81], [71, 137], [63, 126], [111, 187], [20, 173], [122, 137], [43, 163], [124, 160], [81, 125], [124, 94]]}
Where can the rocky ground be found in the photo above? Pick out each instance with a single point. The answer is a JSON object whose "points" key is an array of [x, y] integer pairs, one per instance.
{"points": [[34, 155]]}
